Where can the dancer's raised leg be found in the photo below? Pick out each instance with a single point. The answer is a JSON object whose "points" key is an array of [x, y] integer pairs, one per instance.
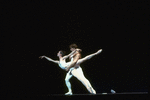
{"points": [[78, 73], [68, 76], [88, 57]]}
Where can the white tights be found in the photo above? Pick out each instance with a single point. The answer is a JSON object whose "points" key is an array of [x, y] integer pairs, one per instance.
{"points": [[78, 73]]}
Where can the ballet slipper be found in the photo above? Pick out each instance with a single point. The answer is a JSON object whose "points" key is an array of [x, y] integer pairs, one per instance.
{"points": [[68, 93]]}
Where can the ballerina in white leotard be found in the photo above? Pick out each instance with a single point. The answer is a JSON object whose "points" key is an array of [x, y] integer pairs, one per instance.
{"points": [[74, 71]]}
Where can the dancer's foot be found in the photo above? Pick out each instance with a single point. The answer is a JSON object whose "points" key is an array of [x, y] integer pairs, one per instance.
{"points": [[68, 93], [93, 91], [99, 51]]}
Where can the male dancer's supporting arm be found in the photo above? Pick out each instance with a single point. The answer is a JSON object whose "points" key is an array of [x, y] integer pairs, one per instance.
{"points": [[49, 59], [65, 57], [76, 58]]}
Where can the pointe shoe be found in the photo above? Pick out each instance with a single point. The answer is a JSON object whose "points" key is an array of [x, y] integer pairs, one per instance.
{"points": [[68, 93]]}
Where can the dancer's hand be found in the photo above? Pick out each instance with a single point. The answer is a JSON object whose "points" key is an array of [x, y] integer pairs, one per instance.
{"points": [[67, 68], [79, 50], [41, 57]]}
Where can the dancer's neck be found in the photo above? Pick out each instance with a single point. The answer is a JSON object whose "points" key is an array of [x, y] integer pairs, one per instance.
{"points": [[60, 57]]}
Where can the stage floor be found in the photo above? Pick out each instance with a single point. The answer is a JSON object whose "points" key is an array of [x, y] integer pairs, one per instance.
{"points": [[124, 93]]}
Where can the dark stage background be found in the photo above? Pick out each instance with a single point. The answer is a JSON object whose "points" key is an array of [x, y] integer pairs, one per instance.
{"points": [[36, 28]]}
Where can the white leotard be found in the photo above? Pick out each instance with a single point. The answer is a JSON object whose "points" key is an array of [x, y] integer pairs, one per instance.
{"points": [[62, 63]]}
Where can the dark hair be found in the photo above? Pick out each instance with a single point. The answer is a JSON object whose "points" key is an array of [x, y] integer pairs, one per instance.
{"points": [[73, 46], [62, 53]]}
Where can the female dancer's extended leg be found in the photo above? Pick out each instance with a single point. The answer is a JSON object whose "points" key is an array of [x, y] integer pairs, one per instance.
{"points": [[68, 76], [78, 73], [88, 57]]}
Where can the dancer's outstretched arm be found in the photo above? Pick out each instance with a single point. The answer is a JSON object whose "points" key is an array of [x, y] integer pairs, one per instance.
{"points": [[49, 59], [73, 52]]}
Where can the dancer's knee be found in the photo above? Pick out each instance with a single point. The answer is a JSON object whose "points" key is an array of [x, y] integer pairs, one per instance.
{"points": [[66, 80], [85, 82]]}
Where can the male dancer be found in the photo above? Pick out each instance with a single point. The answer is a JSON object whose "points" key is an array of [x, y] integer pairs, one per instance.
{"points": [[77, 70]]}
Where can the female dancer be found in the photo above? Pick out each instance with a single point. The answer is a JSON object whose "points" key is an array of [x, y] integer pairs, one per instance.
{"points": [[74, 71]]}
